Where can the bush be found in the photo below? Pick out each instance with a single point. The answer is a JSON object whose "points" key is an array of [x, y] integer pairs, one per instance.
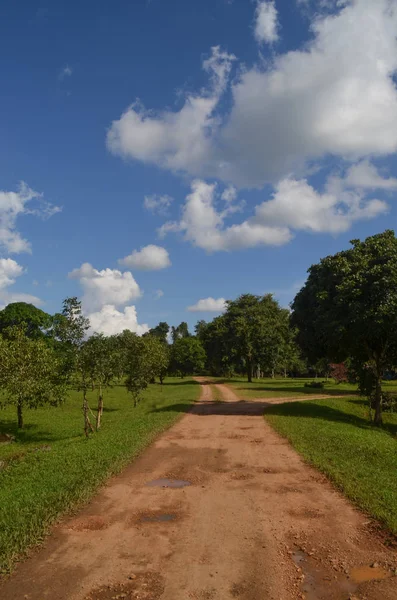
{"points": [[315, 384]]}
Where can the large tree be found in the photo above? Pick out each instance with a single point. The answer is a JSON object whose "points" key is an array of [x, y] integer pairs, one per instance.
{"points": [[160, 331], [256, 329], [348, 308], [187, 356], [30, 372], [35, 322]]}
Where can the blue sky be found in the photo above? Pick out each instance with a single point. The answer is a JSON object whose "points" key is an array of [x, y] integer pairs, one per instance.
{"points": [[263, 136]]}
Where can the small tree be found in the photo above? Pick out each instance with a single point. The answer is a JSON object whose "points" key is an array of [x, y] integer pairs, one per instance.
{"points": [[147, 358], [30, 372]]}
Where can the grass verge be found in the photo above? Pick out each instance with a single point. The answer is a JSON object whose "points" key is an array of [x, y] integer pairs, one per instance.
{"points": [[336, 436], [285, 388], [51, 468]]}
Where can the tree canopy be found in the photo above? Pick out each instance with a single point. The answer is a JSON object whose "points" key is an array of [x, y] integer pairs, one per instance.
{"points": [[34, 320]]}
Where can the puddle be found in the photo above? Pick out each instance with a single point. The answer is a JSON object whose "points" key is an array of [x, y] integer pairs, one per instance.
{"points": [[317, 584], [168, 483], [361, 574], [163, 518]]}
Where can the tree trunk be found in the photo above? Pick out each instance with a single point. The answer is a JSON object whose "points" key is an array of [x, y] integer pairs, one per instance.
{"points": [[100, 408], [285, 372], [378, 397], [87, 423], [20, 415], [249, 371], [273, 373]]}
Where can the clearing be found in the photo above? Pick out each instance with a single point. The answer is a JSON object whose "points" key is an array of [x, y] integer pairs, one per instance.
{"points": [[219, 507]]}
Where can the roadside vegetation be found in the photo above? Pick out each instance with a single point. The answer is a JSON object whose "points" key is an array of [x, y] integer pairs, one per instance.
{"points": [[287, 388], [51, 468]]}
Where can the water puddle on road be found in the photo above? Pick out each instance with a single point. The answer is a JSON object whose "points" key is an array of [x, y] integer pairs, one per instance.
{"points": [[168, 483], [317, 584], [162, 518], [361, 574]]}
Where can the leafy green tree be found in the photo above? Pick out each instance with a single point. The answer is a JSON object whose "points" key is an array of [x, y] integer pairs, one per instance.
{"points": [[35, 322], [147, 357], [160, 331], [99, 359], [187, 356], [213, 336], [181, 331], [30, 372], [348, 308], [256, 328]]}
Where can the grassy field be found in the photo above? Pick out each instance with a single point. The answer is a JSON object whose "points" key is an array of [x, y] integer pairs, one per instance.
{"points": [[285, 388], [51, 468], [336, 436]]}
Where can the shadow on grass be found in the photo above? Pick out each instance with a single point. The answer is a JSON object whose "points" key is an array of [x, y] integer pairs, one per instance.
{"points": [[180, 382], [300, 390]]}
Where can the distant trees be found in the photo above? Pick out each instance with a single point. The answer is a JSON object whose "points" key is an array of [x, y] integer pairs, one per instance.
{"points": [[35, 322], [181, 331], [30, 372], [348, 308], [187, 356]]}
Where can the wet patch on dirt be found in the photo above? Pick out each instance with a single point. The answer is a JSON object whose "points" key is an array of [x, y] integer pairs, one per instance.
{"points": [[168, 483], [366, 573], [306, 513], [241, 476], [238, 589], [315, 583], [163, 515], [93, 523], [145, 586]]}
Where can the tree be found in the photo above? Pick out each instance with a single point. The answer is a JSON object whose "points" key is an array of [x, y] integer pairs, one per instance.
{"points": [[29, 372], [98, 358], [69, 330], [348, 308], [215, 341], [35, 322], [181, 331], [256, 329], [160, 331], [187, 356], [147, 357]]}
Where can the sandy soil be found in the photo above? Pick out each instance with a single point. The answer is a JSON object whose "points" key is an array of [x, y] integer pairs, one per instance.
{"points": [[220, 507]]}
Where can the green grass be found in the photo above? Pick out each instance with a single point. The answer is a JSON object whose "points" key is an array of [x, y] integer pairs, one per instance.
{"points": [[51, 468], [285, 388], [335, 436]]}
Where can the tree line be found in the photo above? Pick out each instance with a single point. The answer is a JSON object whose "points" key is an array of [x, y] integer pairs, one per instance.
{"points": [[342, 322]]}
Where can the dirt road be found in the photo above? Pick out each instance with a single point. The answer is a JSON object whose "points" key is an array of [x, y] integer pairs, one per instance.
{"points": [[220, 507]]}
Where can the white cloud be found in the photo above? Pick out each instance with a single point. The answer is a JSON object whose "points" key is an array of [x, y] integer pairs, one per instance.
{"points": [[106, 287], [266, 24], [157, 204], [297, 205], [365, 175], [148, 258], [174, 140], [159, 294], [335, 96], [204, 226], [208, 305], [15, 204], [108, 320], [9, 271], [66, 71]]}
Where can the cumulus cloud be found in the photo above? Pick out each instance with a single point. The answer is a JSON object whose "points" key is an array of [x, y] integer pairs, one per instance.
{"points": [[15, 204], [178, 140], [365, 175], [335, 96], [148, 258], [106, 287], [266, 24], [294, 206], [9, 271], [157, 204], [203, 225], [208, 305], [109, 321]]}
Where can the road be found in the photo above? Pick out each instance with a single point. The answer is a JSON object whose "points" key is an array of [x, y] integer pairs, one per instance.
{"points": [[219, 507]]}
